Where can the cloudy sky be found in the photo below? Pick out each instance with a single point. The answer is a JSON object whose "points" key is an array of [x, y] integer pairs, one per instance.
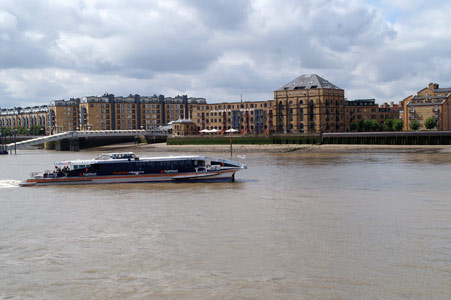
{"points": [[219, 49]]}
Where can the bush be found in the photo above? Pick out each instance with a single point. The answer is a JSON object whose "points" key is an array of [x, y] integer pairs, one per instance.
{"points": [[259, 140]]}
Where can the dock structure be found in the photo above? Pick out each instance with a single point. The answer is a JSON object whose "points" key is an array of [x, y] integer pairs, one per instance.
{"points": [[389, 138], [74, 136]]}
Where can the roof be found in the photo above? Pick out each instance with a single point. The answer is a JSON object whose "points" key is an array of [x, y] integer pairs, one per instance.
{"points": [[360, 102], [443, 90], [425, 103], [184, 121], [429, 97], [306, 82]]}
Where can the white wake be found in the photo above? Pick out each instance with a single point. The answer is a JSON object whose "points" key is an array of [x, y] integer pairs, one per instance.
{"points": [[6, 183]]}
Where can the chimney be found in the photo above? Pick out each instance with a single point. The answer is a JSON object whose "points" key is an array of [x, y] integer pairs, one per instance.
{"points": [[433, 86]]}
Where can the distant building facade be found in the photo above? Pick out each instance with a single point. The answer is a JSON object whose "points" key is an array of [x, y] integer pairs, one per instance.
{"points": [[63, 116], [361, 109], [309, 104], [252, 117], [429, 102], [25, 117], [184, 128]]}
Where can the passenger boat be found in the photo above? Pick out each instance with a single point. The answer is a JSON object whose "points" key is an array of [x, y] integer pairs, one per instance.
{"points": [[128, 168]]}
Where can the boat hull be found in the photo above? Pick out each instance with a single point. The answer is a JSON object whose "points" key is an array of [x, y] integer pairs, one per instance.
{"points": [[228, 175]]}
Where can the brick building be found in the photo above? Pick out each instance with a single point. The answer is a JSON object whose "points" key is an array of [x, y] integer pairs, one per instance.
{"points": [[309, 104], [254, 117], [361, 109], [431, 101]]}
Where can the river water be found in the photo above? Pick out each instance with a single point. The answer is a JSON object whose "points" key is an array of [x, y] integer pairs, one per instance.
{"points": [[293, 226]]}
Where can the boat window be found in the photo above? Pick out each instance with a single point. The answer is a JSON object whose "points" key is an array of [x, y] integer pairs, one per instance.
{"points": [[122, 156], [102, 157], [76, 167]]}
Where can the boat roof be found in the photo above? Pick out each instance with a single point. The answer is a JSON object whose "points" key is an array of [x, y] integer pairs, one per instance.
{"points": [[110, 160]]}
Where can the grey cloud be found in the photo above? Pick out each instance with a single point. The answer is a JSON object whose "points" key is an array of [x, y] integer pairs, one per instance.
{"points": [[4, 95], [359, 26], [167, 46], [221, 14]]}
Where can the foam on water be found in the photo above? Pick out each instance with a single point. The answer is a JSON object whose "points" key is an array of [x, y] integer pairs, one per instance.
{"points": [[6, 183]]}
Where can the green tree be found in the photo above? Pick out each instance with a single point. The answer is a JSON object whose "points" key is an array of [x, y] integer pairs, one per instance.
{"points": [[374, 125], [414, 125], [397, 125], [367, 125], [364, 125], [5, 131], [430, 123], [353, 126], [360, 126], [388, 124], [21, 130], [36, 130]]}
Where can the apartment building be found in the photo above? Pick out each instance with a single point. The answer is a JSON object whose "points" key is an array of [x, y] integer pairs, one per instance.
{"points": [[361, 109], [253, 117], [95, 113], [151, 112], [63, 116], [431, 101], [24, 117], [109, 112]]}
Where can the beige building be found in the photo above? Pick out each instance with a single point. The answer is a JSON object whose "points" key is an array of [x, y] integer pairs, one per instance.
{"points": [[24, 117], [151, 112], [184, 128], [133, 112], [63, 116], [429, 102], [309, 104], [95, 113], [252, 117], [9, 117], [126, 113]]}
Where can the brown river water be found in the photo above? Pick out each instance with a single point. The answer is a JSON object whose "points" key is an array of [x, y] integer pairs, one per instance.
{"points": [[293, 226]]}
